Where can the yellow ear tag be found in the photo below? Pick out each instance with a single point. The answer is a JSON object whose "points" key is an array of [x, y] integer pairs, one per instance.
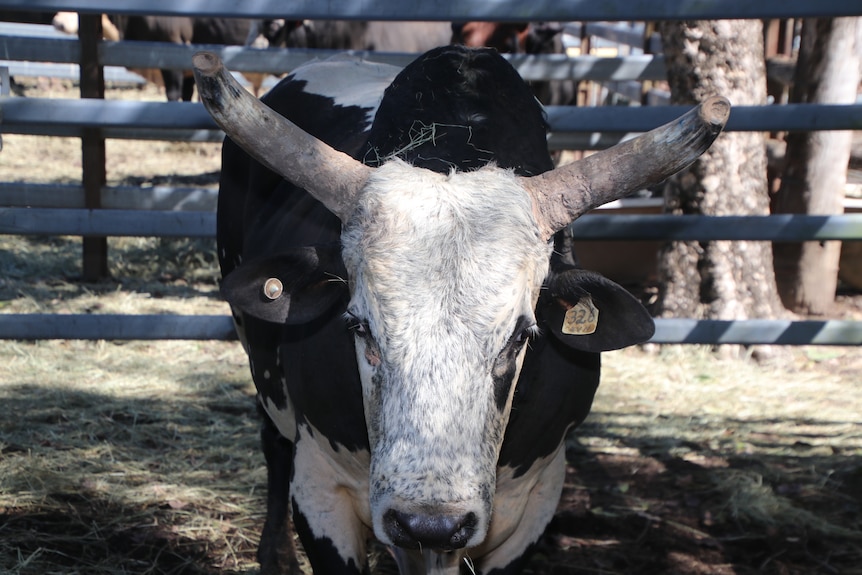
{"points": [[582, 319]]}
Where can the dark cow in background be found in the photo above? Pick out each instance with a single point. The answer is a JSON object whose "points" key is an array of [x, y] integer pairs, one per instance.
{"points": [[507, 38], [353, 35], [420, 338], [26, 17], [173, 29], [179, 84]]}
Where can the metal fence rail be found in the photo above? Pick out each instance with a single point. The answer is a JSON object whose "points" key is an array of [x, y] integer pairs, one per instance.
{"points": [[220, 327], [172, 212], [164, 223], [758, 331], [71, 196], [116, 327], [127, 119]]}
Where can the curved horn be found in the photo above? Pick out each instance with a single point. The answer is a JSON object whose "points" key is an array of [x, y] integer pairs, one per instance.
{"points": [[564, 194], [332, 177]]}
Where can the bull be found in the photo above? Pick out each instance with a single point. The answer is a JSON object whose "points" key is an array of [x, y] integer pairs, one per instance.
{"points": [[421, 339]]}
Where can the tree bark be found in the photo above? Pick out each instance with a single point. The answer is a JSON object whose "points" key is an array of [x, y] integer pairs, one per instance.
{"points": [[827, 72], [722, 279]]}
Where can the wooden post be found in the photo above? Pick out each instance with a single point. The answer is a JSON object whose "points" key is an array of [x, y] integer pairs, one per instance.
{"points": [[827, 72], [647, 85], [582, 89], [93, 176]]}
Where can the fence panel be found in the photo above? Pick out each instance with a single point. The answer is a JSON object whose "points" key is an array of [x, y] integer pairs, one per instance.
{"points": [[161, 223], [53, 117], [592, 128]]}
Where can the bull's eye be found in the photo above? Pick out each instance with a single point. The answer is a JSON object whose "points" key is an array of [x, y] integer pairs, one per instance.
{"points": [[523, 336], [356, 325], [523, 333], [360, 329], [506, 364]]}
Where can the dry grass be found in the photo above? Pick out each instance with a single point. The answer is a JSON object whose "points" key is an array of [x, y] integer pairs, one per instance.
{"points": [[127, 458], [766, 432], [148, 276], [141, 457]]}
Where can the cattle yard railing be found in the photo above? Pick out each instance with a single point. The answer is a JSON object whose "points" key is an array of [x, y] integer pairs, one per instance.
{"points": [[62, 210]]}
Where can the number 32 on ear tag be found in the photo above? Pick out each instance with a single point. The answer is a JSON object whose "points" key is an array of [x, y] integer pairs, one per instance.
{"points": [[582, 318]]}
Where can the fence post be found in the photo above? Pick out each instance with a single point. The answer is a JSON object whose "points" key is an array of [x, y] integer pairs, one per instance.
{"points": [[647, 85], [93, 176], [5, 79]]}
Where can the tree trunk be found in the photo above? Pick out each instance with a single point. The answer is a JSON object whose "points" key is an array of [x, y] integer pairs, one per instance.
{"points": [[722, 279], [827, 72]]}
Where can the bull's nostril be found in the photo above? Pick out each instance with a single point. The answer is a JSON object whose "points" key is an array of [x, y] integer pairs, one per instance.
{"points": [[464, 531], [442, 532]]}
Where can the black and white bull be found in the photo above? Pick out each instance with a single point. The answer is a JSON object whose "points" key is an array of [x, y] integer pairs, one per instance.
{"points": [[419, 345]]}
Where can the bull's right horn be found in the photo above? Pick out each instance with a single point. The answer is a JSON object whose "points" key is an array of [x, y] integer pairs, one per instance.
{"points": [[332, 177], [562, 195]]}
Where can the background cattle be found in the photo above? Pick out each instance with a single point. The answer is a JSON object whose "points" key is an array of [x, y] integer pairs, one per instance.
{"points": [[179, 84], [353, 35], [524, 38], [26, 17], [507, 38]]}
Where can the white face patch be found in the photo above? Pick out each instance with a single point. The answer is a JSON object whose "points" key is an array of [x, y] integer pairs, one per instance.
{"points": [[348, 80], [445, 273]]}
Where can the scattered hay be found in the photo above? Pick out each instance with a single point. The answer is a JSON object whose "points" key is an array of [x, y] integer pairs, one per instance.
{"points": [[142, 457], [124, 457], [139, 458], [147, 276], [753, 502], [420, 134]]}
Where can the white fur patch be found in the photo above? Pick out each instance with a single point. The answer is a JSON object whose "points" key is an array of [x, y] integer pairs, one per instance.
{"points": [[522, 508], [443, 268], [330, 487], [283, 418], [348, 80]]}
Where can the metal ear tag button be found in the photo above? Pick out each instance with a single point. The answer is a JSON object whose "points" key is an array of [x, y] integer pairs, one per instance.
{"points": [[273, 288], [582, 318]]}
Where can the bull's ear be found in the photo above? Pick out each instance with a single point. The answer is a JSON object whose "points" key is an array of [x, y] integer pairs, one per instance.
{"points": [[293, 287], [589, 312]]}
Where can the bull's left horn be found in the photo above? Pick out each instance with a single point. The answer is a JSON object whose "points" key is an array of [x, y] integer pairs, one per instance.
{"points": [[564, 194], [332, 177]]}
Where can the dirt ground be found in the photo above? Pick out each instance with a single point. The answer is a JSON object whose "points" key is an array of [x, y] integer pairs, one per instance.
{"points": [[141, 457]]}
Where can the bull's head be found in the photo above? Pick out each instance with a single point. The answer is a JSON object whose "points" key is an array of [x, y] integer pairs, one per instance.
{"points": [[445, 272]]}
